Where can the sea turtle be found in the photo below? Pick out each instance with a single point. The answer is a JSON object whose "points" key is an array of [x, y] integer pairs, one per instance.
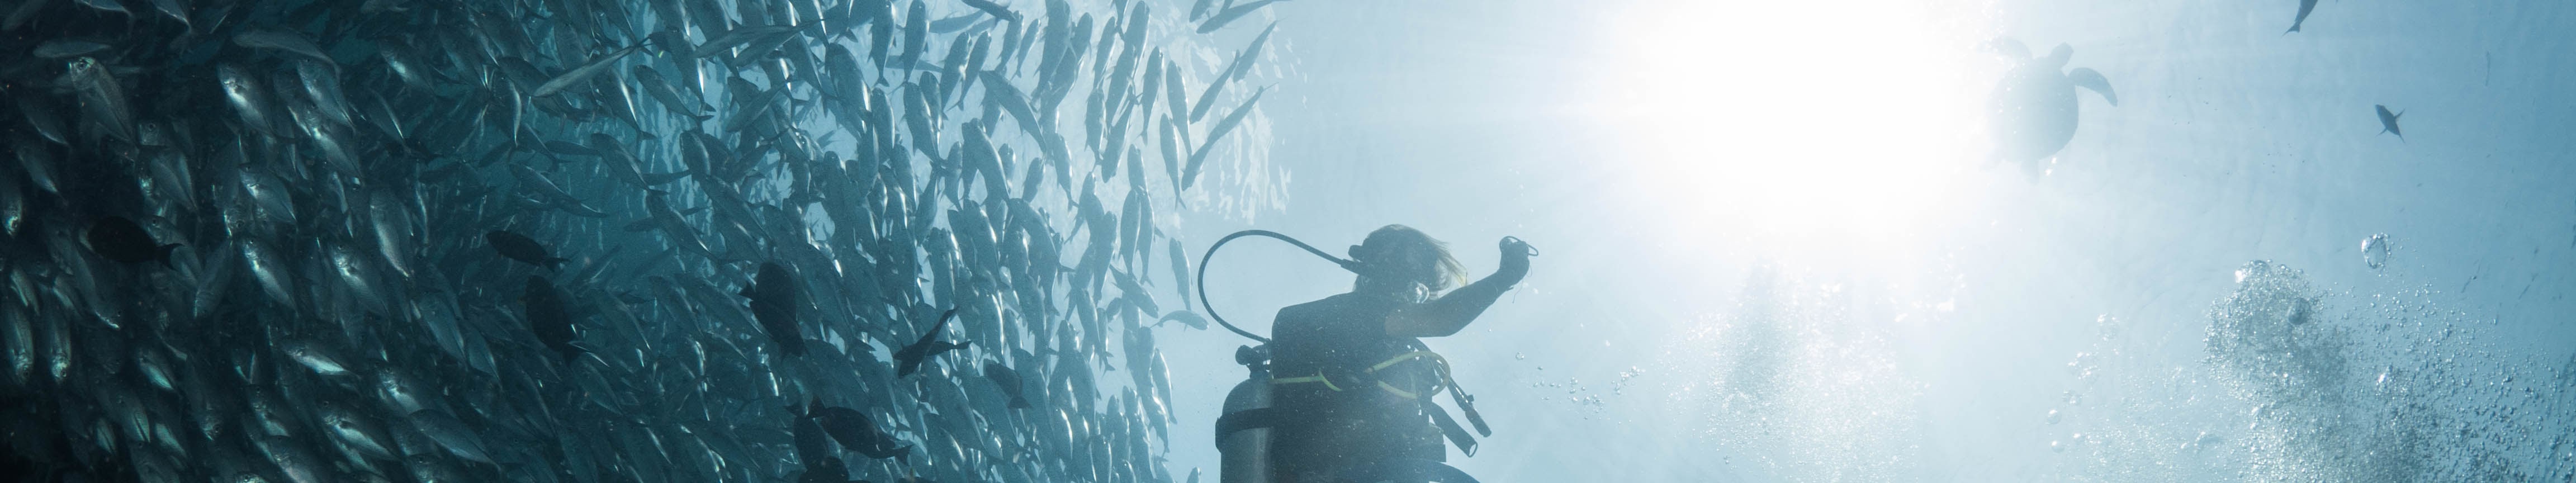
{"points": [[2033, 109]]}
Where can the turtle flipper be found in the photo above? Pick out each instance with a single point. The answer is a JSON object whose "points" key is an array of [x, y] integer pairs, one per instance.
{"points": [[2089, 79], [2008, 48]]}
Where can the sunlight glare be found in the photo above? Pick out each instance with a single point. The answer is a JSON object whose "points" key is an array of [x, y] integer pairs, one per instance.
{"points": [[1795, 125]]}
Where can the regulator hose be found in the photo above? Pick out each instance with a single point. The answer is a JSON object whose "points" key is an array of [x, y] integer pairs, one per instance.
{"points": [[1346, 264]]}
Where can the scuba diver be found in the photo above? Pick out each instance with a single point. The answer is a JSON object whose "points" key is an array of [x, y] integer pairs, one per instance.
{"points": [[1352, 400]]}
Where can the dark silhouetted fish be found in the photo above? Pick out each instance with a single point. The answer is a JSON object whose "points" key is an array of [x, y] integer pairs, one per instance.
{"points": [[775, 296], [1223, 17], [910, 357], [996, 9], [811, 443], [1234, 70], [2305, 6], [120, 239], [2388, 122], [1010, 382], [855, 431], [548, 317], [519, 247], [1190, 172]]}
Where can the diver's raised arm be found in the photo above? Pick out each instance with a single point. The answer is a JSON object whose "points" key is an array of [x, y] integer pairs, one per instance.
{"points": [[1452, 312]]}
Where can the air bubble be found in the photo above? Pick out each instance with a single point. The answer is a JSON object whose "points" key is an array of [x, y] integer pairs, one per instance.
{"points": [[2374, 251]]}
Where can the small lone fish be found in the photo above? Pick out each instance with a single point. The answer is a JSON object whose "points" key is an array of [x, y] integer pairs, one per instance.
{"points": [[1010, 381], [2305, 6], [120, 239], [519, 247], [548, 317], [2388, 122], [909, 358], [774, 298]]}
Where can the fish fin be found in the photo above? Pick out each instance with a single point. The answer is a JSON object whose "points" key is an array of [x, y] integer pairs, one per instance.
{"points": [[746, 292], [164, 254]]}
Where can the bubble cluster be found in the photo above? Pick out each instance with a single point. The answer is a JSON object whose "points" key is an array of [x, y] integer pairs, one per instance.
{"points": [[2293, 387], [1787, 385]]}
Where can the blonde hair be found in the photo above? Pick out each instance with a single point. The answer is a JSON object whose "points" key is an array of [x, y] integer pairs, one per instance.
{"points": [[1449, 273]]}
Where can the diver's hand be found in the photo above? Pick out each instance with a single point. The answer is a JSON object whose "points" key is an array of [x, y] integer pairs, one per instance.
{"points": [[1516, 256]]}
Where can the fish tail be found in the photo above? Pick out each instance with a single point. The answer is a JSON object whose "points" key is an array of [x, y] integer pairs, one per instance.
{"points": [[556, 263]]}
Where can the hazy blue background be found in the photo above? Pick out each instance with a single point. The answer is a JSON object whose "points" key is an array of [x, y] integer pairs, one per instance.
{"points": [[1773, 250]]}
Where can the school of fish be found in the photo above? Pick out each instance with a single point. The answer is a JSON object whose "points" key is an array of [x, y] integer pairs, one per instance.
{"points": [[601, 241]]}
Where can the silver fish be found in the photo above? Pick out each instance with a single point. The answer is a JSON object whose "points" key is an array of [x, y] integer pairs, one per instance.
{"points": [[68, 48], [37, 159], [315, 357], [250, 101], [451, 434], [106, 6], [102, 100], [283, 41], [390, 221], [575, 75], [321, 83], [357, 430]]}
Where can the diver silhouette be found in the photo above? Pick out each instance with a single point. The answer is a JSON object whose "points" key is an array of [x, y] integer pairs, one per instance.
{"points": [[1354, 382]]}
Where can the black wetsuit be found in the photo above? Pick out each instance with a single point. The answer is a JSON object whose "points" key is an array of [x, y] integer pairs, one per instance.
{"points": [[1327, 430]]}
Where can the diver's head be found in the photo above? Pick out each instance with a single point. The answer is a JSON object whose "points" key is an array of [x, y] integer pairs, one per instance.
{"points": [[1400, 261]]}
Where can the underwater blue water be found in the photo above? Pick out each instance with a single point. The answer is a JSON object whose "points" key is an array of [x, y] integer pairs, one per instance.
{"points": [[2184, 296], [1780, 241]]}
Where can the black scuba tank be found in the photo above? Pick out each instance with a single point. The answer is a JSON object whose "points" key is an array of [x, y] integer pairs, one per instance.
{"points": [[1243, 431]]}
